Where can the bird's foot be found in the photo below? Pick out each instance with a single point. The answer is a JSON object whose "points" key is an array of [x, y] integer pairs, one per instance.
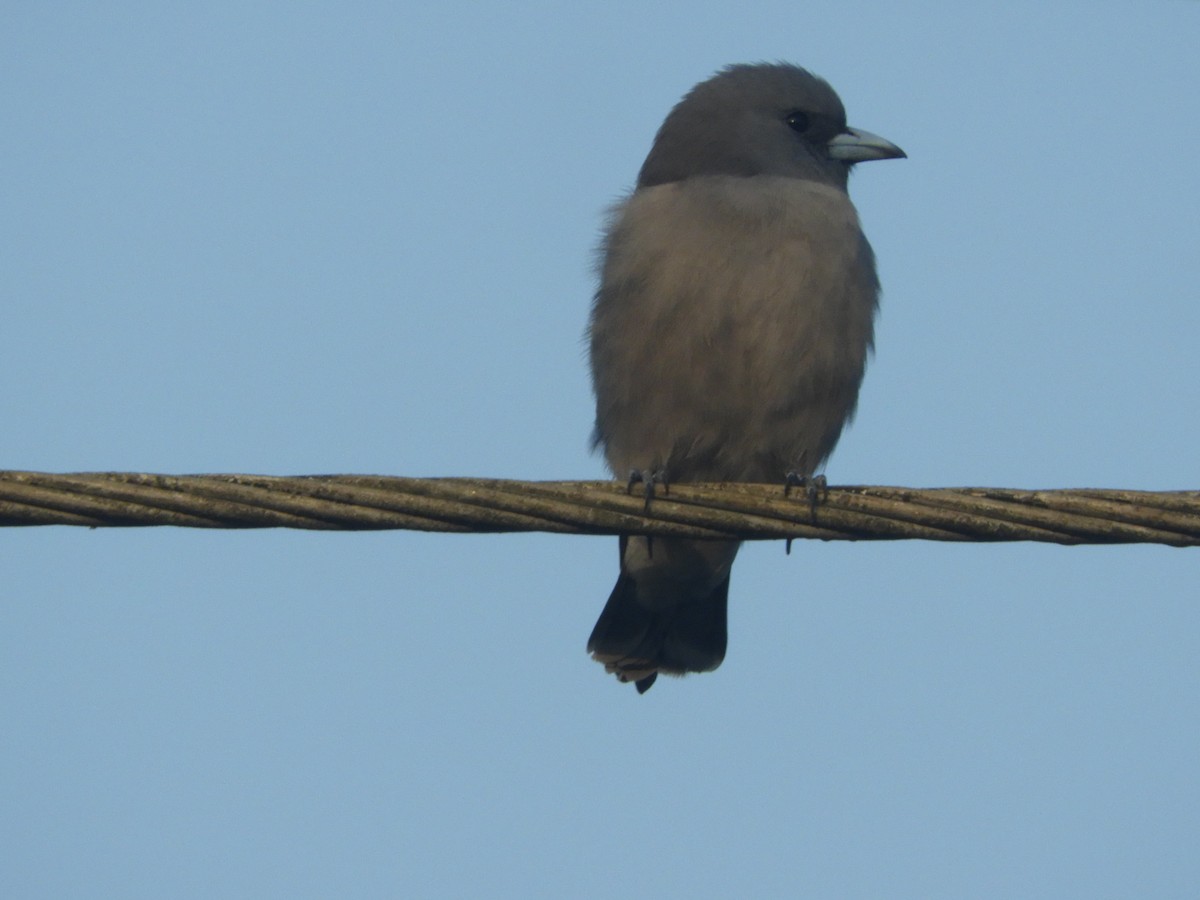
{"points": [[816, 487], [816, 490], [648, 478]]}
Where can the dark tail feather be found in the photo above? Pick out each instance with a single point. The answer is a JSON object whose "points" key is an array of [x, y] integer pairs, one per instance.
{"points": [[636, 642]]}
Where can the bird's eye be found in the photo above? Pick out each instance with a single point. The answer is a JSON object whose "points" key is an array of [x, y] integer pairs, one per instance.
{"points": [[797, 121]]}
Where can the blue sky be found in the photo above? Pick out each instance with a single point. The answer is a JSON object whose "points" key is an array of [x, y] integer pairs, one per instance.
{"points": [[310, 238]]}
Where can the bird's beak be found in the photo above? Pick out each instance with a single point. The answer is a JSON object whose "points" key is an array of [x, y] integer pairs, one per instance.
{"points": [[855, 145]]}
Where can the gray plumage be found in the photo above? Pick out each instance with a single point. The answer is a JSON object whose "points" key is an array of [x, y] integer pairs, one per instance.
{"points": [[729, 333]]}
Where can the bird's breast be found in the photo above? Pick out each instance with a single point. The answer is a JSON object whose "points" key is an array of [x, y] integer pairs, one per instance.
{"points": [[734, 312]]}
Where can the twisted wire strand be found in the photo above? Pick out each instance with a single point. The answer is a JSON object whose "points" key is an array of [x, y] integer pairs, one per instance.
{"points": [[742, 511]]}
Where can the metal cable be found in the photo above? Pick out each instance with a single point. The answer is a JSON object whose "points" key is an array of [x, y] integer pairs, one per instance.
{"points": [[742, 511]]}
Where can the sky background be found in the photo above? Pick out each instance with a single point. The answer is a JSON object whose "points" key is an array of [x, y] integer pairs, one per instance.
{"points": [[299, 238]]}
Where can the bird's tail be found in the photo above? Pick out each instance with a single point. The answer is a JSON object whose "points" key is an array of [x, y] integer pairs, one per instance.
{"points": [[667, 612]]}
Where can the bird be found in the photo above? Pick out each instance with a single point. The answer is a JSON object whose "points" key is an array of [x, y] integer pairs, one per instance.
{"points": [[728, 335]]}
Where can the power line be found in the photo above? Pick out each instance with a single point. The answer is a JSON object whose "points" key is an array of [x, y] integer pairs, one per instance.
{"points": [[742, 511]]}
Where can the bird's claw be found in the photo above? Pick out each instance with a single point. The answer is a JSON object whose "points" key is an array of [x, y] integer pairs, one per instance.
{"points": [[648, 478], [816, 487], [816, 490]]}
